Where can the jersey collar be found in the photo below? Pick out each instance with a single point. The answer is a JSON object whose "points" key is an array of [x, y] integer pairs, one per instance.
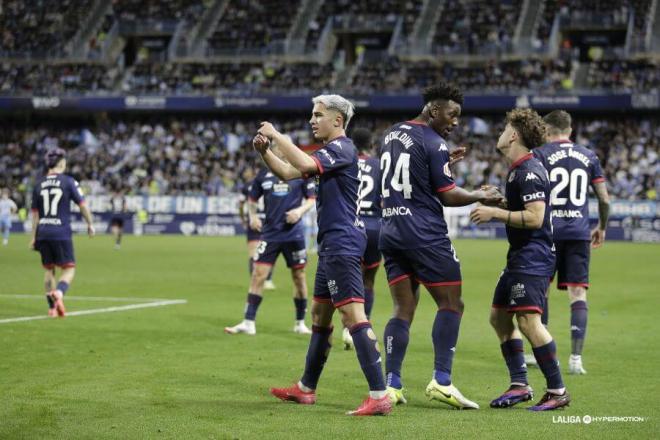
{"points": [[521, 160], [415, 122]]}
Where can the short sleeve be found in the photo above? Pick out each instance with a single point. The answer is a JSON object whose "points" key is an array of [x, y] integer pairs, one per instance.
{"points": [[309, 188], [76, 192], [441, 177], [255, 191], [596, 170], [333, 156], [533, 188]]}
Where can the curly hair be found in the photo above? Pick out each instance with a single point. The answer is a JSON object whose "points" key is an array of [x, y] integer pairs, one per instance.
{"points": [[442, 90], [529, 125]]}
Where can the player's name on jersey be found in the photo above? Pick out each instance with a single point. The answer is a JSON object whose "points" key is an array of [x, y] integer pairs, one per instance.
{"points": [[564, 154], [404, 138], [50, 182]]}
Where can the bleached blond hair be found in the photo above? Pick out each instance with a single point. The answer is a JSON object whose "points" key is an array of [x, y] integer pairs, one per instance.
{"points": [[338, 103]]}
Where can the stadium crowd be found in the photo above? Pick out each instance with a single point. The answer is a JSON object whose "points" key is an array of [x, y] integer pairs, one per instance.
{"points": [[208, 156]]}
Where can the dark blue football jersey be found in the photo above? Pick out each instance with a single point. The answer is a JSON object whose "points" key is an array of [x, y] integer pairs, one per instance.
{"points": [[370, 208], [572, 168], [279, 198], [531, 251], [52, 197], [341, 231], [414, 163]]}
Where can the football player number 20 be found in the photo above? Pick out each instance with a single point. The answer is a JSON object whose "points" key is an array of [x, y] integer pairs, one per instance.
{"points": [[400, 180], [51, 198], [576, 181]]}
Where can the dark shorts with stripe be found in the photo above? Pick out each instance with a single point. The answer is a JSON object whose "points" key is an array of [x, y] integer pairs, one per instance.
{"points": [[431, 266], [517, 292], [295, 253], [339, 280], [572, 267], [56, 253], [372, 255], [117, 221]]}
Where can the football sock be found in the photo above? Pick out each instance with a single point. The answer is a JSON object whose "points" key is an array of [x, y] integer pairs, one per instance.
{"points": [[365, 342], [578, 326], [301, 308], [368, 301], [397, 334], [252, 306], [251, 265], [63, 286], [445, 336], [546, 356], [320, 344], [513, 353]]}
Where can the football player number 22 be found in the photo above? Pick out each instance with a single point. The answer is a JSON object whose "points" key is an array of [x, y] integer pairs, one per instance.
{"points": [[400, 180], [51, 198], [576, 181]]}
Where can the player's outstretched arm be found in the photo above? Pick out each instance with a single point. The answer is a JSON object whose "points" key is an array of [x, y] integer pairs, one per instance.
{"points": [[598, 233], [280, 168], [458, 196], [87, 215], [294, 155], [529, 218]]}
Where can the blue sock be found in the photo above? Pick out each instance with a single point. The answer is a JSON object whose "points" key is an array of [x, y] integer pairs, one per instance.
{"points": [[397, 335], [546, 356], [445, 335], [365, 342], [578, 326], [317, 353], [301, 308], [513, 353], [251, 265], [63, 286], [252, 306], [368, 301]]}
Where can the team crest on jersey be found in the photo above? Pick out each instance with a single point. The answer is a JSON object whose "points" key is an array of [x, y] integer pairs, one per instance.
{"points": [[530, 176], [512, 176]]}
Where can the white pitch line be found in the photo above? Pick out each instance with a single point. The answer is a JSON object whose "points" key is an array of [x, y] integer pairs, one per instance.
{"points": [[104, 310], [86, 298]]}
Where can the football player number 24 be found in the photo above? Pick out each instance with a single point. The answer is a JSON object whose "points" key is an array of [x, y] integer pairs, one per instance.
{"points": [[400, 180]]}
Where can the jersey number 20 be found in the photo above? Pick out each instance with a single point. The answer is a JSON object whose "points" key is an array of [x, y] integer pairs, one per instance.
{"points": [[576, 182], [400, 181]]}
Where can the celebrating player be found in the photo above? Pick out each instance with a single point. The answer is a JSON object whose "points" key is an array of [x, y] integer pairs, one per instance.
{"points": [[342, 241], [51, 229], [282, 232], [370, 214], [7, 208], [253, 235], [521, 289], [572, 168], [416, 183]]}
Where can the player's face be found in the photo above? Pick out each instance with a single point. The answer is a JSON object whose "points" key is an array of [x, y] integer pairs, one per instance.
{"points": [[506, 139], [324, 122], [445, 116]]}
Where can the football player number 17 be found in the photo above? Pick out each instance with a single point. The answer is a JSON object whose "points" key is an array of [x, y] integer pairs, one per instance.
{"points": [[400, 180], [576, 181], [51, 198]]}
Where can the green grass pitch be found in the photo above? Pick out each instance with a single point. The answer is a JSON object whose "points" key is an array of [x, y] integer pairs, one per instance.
{"points": [[171, 372]]}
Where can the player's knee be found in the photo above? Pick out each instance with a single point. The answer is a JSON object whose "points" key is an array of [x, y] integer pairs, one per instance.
{"points": [[499, 319], [527, 323], [321, 314], [577, 293]]}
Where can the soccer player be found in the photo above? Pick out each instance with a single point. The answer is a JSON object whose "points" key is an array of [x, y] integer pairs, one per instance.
{"points": [[51, 228], [572, 169], [370, 214], [253, 233], [416, 183], [282, 233], [7, 208], [521, 289], [118, 206], [342, 241]]}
